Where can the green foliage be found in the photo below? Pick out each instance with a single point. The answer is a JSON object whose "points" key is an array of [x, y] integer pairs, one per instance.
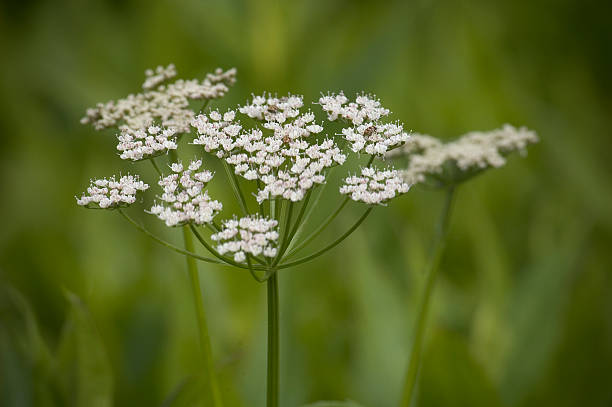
{"points": [[521, 315], [77, 374]]}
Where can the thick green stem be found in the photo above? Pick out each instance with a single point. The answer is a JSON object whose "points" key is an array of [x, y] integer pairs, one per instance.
{"points": [[209, 367], [273, 342], [420, 324]]}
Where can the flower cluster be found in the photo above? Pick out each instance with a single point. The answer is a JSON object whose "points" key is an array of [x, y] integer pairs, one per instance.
{"points": [[367, 134], [248, 235], [145, 143], [110, 193], [167, 104], [184, 199], [374, 186], [466, 156], [273, 109], [365, 108], [282, 153]]}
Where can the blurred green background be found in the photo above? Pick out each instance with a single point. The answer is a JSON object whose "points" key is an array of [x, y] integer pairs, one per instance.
{"points": [[92, 313]]}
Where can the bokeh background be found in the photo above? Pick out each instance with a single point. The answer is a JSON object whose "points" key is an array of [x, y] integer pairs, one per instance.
{"points": [[92, 313]]}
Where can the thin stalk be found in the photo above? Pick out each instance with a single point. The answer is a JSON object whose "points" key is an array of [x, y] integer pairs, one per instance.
{"points": [[233, 180], [273, 342], [205, 346], [325, 223], [252, 271], [294, 229], [204, 105], [331, 246], [213, 251], [420, 324], [155, 166], [307, 217], [262, 211], [273, 208], [166, 244], [319, 229], [286, 232], [200, 314]]}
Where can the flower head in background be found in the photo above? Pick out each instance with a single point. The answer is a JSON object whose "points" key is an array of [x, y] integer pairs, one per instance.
{"points": [[167, 104], [110, 194], [253, 235], [374, 186], [456, 161], [184, 199]]}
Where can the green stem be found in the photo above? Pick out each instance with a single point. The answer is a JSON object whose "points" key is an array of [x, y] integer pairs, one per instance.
{"points": [[155, 166], [164, 243], [288, 209], [331, 246], [236, 188], [420, 324], [262, 211], [294, 229], [273, 342], [307, 217], [205, 346], [325, 223], [319, 229], [204, 105], [252, 271], [214, 252]]}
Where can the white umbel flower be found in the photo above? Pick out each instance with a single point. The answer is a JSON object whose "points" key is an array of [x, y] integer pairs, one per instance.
{"points": [[365, 108], [146, 143], [466, 156], [167, 104], [253, 235], [273, 109], [110, 194], [374, 186], [216, 132], [374, 138], [367, 134], [184, 199], [280, 153]]}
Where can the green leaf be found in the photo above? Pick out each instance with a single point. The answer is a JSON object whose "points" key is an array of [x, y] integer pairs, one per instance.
{"points": [[83, 365]]}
